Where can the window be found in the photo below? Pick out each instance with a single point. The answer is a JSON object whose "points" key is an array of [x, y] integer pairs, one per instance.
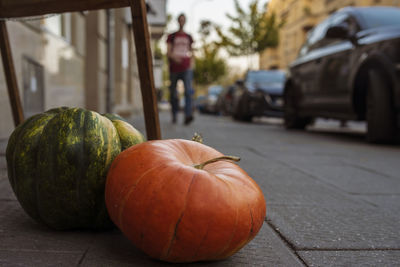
{"points": [[265, 77], [215, 90], [318, 33], [316, 38], [125, 53], [378, 17], [313, 37], [33, 92], [66, 27], [346, 19], [60, 25], [53, 24]]}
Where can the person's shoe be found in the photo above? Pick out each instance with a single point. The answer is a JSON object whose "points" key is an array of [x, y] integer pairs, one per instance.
{"points": [[188, 120]]}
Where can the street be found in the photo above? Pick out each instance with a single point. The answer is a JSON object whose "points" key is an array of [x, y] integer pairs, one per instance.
{"points": [[332, 200]]}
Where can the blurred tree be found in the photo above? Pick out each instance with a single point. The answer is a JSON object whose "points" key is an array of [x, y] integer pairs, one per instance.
{"points": [[209, 67], [250, 32]]}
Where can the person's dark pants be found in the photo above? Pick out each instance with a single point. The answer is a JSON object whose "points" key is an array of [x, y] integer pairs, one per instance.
{"points": [[186, 77]]}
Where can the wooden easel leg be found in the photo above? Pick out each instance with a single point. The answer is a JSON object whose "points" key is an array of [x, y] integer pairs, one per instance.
{"points": [[9, 73], [145, 66]]}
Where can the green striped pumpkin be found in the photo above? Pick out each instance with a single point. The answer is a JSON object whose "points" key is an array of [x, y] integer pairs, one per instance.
{"points": [[57, 164]]}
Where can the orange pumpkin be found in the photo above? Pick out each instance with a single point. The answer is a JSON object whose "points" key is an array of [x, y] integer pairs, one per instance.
{"points": [[177, 210]]}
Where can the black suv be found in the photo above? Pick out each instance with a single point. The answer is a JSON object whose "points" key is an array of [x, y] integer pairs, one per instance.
{"points": [[349, 69]]}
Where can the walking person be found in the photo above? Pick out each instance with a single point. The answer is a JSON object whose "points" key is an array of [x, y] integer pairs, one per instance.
{"points": [[180, 58]]}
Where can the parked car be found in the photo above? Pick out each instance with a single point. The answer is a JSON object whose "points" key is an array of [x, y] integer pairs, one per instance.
{"points": [[200, 103], [224, 102], [349, 69], [210, 101], [260, 93]]}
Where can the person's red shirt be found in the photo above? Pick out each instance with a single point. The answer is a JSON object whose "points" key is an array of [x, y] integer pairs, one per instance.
{"points": [[181, 46]]}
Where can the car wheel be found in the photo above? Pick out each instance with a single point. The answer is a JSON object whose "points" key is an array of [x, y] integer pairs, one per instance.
{"points": [[241, 112], [381, 122], [292, 120]]}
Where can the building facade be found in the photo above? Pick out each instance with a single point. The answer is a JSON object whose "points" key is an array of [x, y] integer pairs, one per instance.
{"points": [[82, 59], [300, 16]]}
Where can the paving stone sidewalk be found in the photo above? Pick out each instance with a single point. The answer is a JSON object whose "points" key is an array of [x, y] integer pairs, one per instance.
{"points": [[332, 200]]}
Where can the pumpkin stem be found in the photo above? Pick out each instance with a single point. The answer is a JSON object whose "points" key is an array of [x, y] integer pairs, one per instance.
{"points": [[229, 158], [197, 138]]}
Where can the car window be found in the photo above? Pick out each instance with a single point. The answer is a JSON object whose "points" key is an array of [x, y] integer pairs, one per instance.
{"points": [[335, 19], [265, 77], [313, 36], [215, 90], [341, 18], [378, 17], [318, 33], [316, 37], [338, 18]]}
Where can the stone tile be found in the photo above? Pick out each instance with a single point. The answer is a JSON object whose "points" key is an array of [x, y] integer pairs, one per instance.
{"points": [[351, 258], [3, 163], [6, 192], [390, 203], [312, 227], [19, 232], [113, 249], [341, 171], [379, 160], [385, 161], [284, 185], [356, 179], [265, 250], [38, 258], [304, 148], [3, 146]]}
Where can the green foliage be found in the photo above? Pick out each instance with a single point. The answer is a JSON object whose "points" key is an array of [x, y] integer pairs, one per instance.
{"points": [[250, 32], [209, 67], [158, 54]]}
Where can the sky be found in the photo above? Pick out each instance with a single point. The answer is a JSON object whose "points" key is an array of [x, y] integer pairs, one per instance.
{"points": [[213, 10]]}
